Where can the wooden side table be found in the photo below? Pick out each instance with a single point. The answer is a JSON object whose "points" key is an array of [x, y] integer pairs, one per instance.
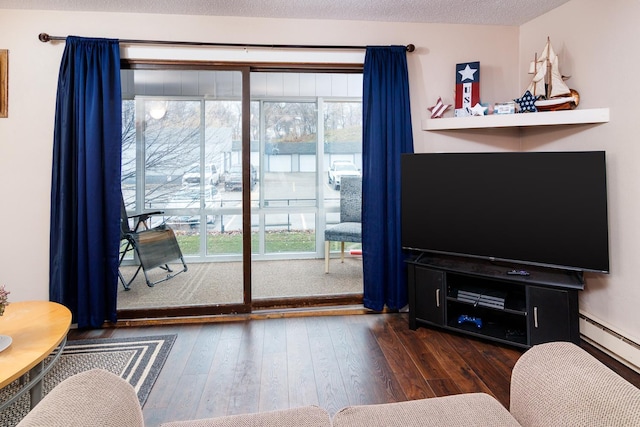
{"points": [[36, 329]]}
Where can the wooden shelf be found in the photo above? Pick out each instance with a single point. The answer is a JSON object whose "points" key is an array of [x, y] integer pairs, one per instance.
{"points": [[549, 118]]}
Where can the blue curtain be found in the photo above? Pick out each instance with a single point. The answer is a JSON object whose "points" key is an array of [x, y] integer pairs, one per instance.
{"points": [[387, 133], [85, 188]]}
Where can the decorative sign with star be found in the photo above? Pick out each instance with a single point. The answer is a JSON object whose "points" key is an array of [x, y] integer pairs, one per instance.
{"points": [[467, 88]]}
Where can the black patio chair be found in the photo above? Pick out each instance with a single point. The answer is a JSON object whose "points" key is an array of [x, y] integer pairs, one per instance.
{"points": [[155, 247]]}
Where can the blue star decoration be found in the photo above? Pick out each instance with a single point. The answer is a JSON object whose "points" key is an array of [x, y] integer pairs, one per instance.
{"points": [[527, 102]]}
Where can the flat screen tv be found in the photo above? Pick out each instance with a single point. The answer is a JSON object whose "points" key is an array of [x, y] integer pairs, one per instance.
{"points": [[534, 208]]}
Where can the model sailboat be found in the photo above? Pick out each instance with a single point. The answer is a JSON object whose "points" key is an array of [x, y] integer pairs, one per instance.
{"points": [[549, 84]]}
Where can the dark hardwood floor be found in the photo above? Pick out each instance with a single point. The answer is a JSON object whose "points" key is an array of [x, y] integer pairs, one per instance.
{"points": [[217, 369]]}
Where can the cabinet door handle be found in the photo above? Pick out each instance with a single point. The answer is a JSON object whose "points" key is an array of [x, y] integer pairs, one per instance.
{"points": [[535, 317], [437, 297]]}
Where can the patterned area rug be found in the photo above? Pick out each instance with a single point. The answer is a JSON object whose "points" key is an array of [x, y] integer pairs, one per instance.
{"points": [[137, 360]]}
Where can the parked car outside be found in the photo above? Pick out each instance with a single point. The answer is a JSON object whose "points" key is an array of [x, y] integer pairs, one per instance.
{"points": [[189, 198], [192, 175], [340, 168], [233, 179]]}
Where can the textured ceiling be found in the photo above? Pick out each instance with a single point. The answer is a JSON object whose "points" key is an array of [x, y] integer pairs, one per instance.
{"points": [[484, 12]]}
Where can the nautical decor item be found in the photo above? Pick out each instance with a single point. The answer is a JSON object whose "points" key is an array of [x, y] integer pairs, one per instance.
{"points": [[439, 109], [467, 88], [548, 84]]}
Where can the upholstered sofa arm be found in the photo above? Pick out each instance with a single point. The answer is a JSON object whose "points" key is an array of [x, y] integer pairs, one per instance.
{"points": [[91, 398], [560, 384], [459, 410], [306, 416]]}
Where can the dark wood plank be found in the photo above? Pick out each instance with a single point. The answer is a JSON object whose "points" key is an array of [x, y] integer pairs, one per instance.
{"points": [[417, 346], [203, 351], [404, 368], [332, 394], [274, 387], [467, 380], [245, 393], [383, 384], [164, 390], [352, 363], [214, 401], [301, 379], [443, 386], [188, 391], [503, 357], [482, 366]]}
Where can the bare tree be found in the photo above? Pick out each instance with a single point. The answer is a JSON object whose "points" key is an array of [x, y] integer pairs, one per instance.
{"points": [[169, 144], [291, 121]]}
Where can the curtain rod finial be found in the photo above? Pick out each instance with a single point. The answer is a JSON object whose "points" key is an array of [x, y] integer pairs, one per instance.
{"points": [[411, 48], [44, 37]]}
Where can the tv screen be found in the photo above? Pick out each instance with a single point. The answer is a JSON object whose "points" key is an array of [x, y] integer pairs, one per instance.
{"points": [[536, 208]]}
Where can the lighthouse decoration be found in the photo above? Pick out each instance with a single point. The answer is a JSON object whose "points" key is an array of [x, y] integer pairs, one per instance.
{"points": [[467, 88]]}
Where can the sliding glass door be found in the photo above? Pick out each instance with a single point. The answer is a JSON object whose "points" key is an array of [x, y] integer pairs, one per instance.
{"points": [[238, 164], [182, 142]]}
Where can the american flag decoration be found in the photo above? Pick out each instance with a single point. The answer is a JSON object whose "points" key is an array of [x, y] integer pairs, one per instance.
{"points": [[467, 88], [438, 110]]}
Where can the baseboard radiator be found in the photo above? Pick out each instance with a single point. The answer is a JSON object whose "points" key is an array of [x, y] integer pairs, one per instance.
{"points": [[612, 342]]}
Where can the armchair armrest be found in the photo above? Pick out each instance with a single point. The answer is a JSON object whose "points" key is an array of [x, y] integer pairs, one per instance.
{"points": [[91, 398], [143, 217], [559, 383]]}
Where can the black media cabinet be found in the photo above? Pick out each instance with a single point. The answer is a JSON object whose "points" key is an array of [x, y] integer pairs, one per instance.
{"points": [[517, 310]]}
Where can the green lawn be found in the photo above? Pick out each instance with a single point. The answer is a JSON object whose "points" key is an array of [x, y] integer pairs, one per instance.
{"points": [[231, 243]]}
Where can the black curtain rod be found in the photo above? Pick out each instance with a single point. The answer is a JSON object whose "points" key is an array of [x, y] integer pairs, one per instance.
{"points": [[44, 37]]}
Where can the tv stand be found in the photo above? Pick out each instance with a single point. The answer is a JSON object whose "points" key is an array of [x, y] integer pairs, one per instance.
{"points": [[486, 299]]}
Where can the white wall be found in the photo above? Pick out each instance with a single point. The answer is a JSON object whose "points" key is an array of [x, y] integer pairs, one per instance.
{"points": [[26, 136], [597, 42]]}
